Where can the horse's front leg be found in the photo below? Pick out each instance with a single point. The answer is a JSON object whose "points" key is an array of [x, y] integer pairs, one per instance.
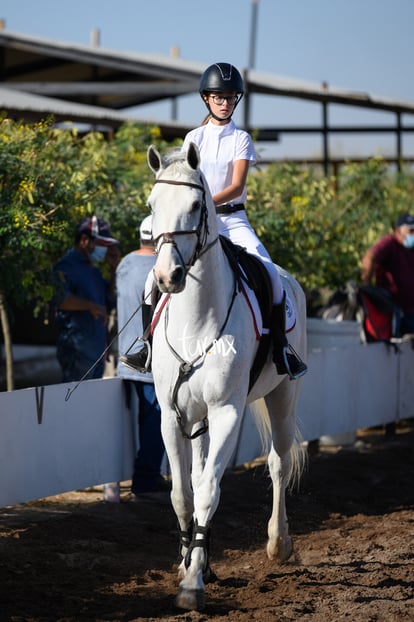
{"points": [[224, 424], [191, 591], [199, 450], [179, 454]]}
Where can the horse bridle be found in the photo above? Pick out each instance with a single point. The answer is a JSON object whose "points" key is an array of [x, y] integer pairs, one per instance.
{"points": [[201, 230]]}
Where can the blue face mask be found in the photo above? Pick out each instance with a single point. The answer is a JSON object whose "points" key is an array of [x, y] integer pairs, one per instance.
{"points": [[409, 240], [98, 254]]}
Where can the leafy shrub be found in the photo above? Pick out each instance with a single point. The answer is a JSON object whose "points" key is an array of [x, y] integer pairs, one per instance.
{"points": [[319, 228]]}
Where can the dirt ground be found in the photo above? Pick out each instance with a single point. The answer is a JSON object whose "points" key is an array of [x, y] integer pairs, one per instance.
{"points": [[74, 558]]}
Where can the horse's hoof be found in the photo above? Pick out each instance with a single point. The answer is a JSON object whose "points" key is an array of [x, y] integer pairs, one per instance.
{"points": [[192, 600], [280, 550], [208, 575]]}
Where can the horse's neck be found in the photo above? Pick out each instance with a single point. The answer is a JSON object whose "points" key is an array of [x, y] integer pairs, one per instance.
{"points": [[208, 290]]}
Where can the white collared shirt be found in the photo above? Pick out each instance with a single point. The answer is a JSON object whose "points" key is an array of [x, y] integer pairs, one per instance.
{"points": [[220, 147]]}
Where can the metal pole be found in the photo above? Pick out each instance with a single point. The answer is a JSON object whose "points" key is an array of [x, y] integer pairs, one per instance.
{"points": [[175, 53], [251, 63], [325, 132], [253, 33], [399, 142], [95, 37]]}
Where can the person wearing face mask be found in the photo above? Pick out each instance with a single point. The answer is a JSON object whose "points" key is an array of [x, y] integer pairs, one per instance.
{"points": [[390, 263], [83, 298]]}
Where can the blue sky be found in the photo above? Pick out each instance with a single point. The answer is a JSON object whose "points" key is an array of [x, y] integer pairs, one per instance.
{"points": [[361, 45]]}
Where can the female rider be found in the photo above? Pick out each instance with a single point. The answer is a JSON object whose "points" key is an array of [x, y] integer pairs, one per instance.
{"points": [[226, 153]]}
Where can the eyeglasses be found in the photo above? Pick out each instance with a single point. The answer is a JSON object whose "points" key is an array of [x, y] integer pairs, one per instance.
{"points": [[220, 99]]}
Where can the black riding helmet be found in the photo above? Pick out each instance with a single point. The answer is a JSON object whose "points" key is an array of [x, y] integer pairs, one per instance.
{"points": [[221, 78]]}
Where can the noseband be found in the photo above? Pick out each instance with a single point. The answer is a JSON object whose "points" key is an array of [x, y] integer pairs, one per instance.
{"points": [[201, 231]]}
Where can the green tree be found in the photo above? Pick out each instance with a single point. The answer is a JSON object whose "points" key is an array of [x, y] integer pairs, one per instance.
{"points": [[319, 228], [49, 180]]}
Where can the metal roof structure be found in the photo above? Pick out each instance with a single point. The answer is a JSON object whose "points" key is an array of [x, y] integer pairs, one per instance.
{"points": [[119, 80], [35, 107], [23, 105], [90, 83], [92, 75]]}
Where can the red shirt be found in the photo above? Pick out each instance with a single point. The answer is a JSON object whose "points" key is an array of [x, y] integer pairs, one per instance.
{"points": [[394, 270]]}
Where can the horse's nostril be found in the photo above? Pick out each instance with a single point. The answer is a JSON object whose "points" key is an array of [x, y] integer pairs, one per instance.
{"points": [[177, 275]]}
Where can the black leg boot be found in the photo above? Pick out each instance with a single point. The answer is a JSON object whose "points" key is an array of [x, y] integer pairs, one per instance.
{"points": [[285, 358], [141, 361]]}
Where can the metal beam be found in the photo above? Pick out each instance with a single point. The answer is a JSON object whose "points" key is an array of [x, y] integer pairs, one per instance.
{"points": [[85, 88], [338, 129]]}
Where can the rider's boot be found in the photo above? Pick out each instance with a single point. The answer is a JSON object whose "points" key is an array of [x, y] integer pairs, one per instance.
{"points": [[287, 361], [141, 360]]}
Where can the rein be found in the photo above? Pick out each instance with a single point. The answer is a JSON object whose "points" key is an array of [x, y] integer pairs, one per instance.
{"points": [[187, 367]]}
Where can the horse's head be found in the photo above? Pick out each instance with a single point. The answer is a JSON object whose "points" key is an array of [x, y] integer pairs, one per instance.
{"points": [[180, 202]]}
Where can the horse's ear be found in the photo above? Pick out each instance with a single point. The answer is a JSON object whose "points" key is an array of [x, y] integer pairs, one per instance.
{"points": [[153, 159], [193, 156]]}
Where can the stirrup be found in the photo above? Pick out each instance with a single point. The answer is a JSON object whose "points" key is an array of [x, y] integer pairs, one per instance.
{"points": [[140, 361], [295, 367]]}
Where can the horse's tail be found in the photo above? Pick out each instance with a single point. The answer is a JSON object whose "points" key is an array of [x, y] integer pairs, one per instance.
{"points": [[298, 452], [299, 459]]}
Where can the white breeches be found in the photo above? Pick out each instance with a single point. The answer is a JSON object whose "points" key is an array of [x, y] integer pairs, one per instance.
{"points": [[238, 229]]}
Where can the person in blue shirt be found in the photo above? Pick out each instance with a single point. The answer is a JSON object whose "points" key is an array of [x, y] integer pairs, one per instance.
{"points": [[84, 298]]}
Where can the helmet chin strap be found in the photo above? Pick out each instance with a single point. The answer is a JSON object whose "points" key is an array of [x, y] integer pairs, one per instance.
{"points": [[219, 118]]}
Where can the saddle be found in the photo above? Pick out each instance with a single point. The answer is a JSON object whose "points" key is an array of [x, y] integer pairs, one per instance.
{"points": [[381, 316], [373, 306], [250, 270]]}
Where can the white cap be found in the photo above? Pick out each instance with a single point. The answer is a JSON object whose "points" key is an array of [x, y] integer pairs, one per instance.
{"points": [[145, 230]]}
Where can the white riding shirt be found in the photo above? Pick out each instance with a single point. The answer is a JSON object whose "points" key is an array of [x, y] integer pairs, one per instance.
{"points": [[220, 147]]}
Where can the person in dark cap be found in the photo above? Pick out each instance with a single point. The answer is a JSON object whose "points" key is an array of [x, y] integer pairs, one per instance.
{"points": [[84, 298], [390, 263]]}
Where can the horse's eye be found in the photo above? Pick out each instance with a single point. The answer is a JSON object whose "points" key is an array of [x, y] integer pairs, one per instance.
{"points": [[195, 206]]}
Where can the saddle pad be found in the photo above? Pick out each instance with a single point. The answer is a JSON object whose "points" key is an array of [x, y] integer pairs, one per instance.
{"points": [[253, 306], [257, 316]]}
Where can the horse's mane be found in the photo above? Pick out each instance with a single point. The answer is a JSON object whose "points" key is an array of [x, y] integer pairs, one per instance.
{"points": [[175, 159], [173, 156]]}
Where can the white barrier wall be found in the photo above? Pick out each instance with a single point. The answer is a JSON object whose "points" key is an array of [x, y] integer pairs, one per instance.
{"points": [[49, 445]]}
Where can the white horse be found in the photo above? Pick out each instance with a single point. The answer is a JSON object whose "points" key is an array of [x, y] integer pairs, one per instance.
{"points": [[204, 343]]}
